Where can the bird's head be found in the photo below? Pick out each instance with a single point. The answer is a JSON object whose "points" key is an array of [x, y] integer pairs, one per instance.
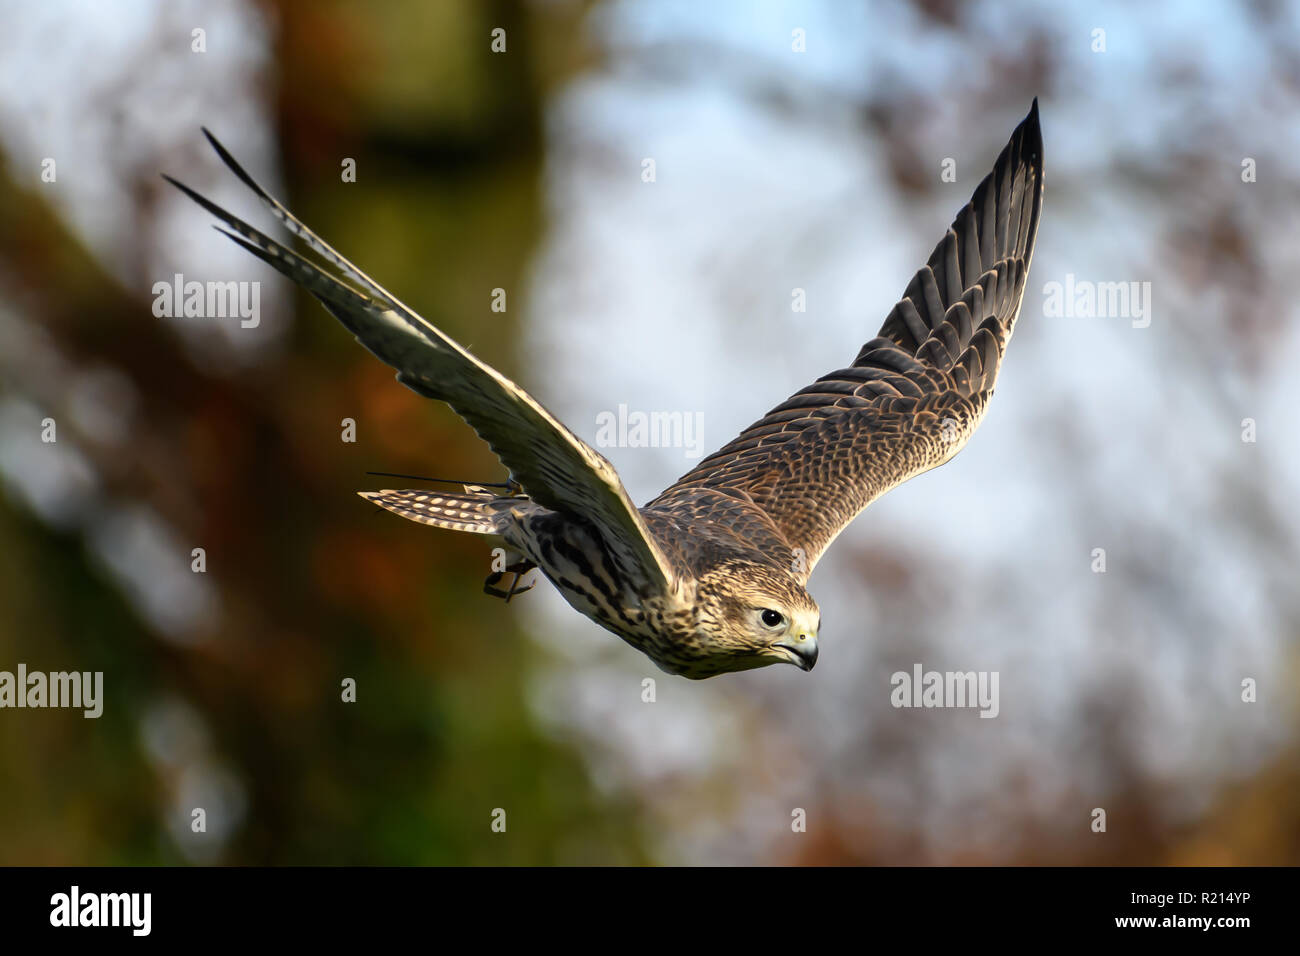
{"points": [[751, 616]]}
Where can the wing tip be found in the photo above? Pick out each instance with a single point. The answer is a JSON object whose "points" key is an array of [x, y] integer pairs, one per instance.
{"points": [[1031, 137], [182, 187], [233, 165]]}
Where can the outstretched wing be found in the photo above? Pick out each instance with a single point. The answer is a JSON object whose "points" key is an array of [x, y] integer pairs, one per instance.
{"points": [[914, 394], [554, 467]]}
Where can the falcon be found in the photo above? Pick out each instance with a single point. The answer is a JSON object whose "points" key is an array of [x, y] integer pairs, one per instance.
{"points": [[710, 576]]}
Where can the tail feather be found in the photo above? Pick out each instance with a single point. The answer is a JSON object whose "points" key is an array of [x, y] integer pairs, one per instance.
{"points": [[475, 513]]}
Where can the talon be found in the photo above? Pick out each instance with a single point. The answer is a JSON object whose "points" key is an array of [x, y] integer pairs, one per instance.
{"points": [[518, 569], [515, 589], [492, 579]]}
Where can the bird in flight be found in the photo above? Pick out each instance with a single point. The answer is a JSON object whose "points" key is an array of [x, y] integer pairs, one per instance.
{"points": [[710, 576]]}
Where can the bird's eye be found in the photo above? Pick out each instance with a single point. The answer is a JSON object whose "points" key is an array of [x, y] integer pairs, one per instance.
{"points": [[772, 618]]}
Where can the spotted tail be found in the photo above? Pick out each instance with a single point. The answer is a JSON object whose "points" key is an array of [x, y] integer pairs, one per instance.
{"points": [[476, 511]]}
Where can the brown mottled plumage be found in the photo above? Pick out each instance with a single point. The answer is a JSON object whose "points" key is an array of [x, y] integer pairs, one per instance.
{"points": [[709, 577]]}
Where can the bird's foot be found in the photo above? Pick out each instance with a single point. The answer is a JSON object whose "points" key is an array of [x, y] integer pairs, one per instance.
{"points": [[518, 569]]}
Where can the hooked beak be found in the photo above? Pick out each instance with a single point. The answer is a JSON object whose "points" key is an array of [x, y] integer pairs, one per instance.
{"points": [[800, 650]]}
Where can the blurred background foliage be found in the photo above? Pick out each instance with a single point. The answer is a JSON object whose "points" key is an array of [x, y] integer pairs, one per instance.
{"points": [[242, 711], [223, 690]]}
